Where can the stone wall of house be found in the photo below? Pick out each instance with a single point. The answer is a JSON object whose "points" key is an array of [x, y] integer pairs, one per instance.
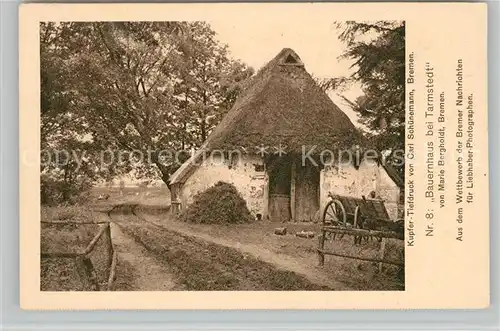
{"points": [[248, 179], [390, 192], [347, 180], [251, 182]]}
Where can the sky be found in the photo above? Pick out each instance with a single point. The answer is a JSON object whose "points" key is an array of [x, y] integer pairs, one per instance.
{"points": [[316, 43]]}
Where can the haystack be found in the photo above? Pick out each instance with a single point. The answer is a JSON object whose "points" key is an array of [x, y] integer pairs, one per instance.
{"points": [[219, 204]]}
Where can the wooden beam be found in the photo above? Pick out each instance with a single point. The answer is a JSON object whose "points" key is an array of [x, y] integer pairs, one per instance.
{"points": [[292, 191], [265, 211], [174, 198], [72, 222], [60, 254], [82, 272], [112, 271], [324, 252], [321, 256], [382, 254], [92, 275], [92, 244], [362, 232], [110, 245]]}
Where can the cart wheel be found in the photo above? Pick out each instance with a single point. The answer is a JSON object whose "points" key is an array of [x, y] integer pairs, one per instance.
{"points": [[334, 213], [356, 218], [357, 225]]}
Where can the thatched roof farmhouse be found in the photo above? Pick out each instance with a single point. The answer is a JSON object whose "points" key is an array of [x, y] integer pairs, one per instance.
{"points": [[260, 144]]}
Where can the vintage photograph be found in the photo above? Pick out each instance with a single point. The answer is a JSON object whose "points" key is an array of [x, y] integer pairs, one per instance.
{"points": [[222, 156]]}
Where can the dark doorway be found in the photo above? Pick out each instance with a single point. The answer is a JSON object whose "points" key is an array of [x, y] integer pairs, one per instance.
{"points": [[294, 190], [280, 174]]}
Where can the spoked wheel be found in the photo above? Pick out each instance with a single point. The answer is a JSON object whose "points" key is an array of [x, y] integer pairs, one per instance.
{"points": [[356, 218], [357, 225], [334, 213]]}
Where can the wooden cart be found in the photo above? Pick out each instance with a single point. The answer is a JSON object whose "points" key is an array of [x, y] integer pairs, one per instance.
{"points": [[359, 217], [357, 213]]}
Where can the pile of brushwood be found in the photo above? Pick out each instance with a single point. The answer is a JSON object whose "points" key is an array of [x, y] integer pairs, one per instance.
{"points": [[219, 204]]}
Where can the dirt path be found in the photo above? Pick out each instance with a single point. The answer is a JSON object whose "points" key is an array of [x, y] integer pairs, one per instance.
{"points": [[200, 265], [163, 254], [148, 274], [299, 266]]}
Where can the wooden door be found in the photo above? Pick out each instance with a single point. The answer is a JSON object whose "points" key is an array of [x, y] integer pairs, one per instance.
{"points": [[279, 190], [306, 192]]}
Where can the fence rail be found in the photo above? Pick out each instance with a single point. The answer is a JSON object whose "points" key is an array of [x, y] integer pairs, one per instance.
{"points": [[383, 235], [84, 265], [72, 222]]}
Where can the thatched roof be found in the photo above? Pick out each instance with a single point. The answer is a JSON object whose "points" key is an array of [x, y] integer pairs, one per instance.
{"points": [[282, 104]]}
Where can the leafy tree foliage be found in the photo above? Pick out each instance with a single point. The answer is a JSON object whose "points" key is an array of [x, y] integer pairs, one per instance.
{"points": [[134, 92], [377, 52], [207, 83]]}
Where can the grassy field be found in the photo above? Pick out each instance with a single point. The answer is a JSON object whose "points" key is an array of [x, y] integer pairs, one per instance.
{"points": [[60, 274], [69, 237]]}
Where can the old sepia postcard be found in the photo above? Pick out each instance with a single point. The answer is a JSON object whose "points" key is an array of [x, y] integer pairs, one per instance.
{"points": [[254, 156]]}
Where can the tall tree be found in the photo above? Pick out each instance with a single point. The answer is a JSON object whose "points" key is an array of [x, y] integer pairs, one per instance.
{"points": [[55, 97], [125, 92], [377, 52], [114, 86], [207, 82], [68, 162]]}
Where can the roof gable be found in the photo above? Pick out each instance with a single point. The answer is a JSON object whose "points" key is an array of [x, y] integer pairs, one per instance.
{"points": [[290, 58]]}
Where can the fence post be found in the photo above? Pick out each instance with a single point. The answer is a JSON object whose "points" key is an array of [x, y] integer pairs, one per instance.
{"points": [[382, 254], [92, 276], [112, 272], [321, 244], [82, 272], [110, 245]]}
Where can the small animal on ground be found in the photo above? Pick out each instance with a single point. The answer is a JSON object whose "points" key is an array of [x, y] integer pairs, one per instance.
{"points": [[103, 197]]}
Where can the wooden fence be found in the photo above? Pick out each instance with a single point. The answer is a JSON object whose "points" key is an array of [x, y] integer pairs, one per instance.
{"points": [[84, 265], [383, 235]]}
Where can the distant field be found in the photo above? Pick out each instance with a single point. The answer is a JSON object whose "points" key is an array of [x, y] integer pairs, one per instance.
{"points": [[151, 196]]}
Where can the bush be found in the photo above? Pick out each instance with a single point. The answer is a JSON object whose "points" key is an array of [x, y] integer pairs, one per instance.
{"points": [[54, 191], [66, 213], [220, 204]]}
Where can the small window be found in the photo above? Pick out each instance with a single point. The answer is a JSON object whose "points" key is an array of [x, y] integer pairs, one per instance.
{"points": [[259, 167], [217, 158], [290, 59], [233, 160]]}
